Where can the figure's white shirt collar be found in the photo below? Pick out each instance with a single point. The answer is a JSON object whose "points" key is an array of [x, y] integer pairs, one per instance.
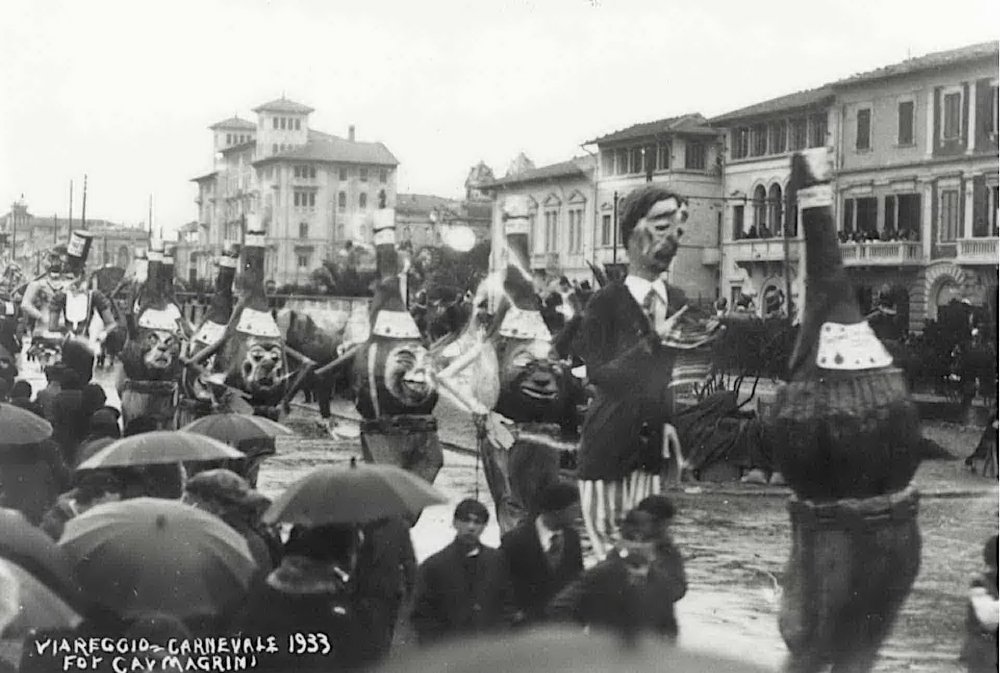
{"points": [[639, 287]]}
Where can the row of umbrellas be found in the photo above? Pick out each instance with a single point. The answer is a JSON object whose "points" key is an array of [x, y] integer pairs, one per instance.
{"points": [[151, 554]]}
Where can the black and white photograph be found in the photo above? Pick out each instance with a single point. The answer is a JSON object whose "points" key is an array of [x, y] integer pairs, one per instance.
{"points": [[507, 336]]}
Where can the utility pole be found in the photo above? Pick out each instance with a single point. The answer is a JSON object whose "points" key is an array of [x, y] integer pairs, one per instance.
{"points": [[55, 229], [83, 211], [150, 216], [791, 210], [70, 205], [614, 233]]}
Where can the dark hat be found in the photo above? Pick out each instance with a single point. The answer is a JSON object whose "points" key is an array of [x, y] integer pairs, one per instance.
{"points": [[469, 508], [660, 506], [556, 497]]}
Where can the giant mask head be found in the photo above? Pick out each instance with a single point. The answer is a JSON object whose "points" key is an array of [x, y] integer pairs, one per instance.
{"points": [[651, 223], [532, 379]]}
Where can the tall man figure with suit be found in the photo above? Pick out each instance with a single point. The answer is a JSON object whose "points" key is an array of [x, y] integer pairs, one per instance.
{"points": [[630, 339]]}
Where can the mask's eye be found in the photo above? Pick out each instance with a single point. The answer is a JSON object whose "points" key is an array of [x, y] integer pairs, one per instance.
{"points": [[406, 358], [522, 360]]}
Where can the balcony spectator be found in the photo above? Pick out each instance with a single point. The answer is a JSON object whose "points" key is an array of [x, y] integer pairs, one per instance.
{"points": [[753, 232], [843, 236], [765, 231]]}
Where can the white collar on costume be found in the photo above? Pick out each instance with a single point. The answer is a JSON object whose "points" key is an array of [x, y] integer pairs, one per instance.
{"points": [[640, 287]]}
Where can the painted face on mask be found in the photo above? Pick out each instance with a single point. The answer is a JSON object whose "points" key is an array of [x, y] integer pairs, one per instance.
{"points": [[262, 367], [406, 376], [656, 237]]}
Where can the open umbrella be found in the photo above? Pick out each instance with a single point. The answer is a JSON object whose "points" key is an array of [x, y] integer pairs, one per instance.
{"points": [[235, 428], [21, 426], [162, 446], [33, 550], [27, 604], [355, 494], [156, 555]]}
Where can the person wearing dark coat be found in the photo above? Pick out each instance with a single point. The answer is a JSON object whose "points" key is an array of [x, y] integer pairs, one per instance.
{"points": [[627, 593], [982, 620], [543, 553], [386, 576], [310, 592], [463, 589], [31, 477]]}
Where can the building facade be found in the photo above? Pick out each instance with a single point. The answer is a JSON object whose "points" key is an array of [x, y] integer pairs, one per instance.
{"points": [[683, 154], [28, 239], [561, 200], [917, 180], [755, 259], [309, 190]]}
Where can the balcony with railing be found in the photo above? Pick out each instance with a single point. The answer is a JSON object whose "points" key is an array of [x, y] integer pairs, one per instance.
{"points": [[882, 253], [983, 250], [749, 250]]}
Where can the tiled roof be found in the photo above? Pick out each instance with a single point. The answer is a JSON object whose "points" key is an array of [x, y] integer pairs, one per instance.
{"points": [[205, 176], [792, 101], [421, 204], [938, 59], [241, 146], [689, 123], [234, 123], [325, 147], [575, 167], [284, 105]]}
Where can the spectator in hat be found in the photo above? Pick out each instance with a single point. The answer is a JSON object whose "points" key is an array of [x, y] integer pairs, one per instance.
{"points": [[669, 561], [543, 552], [627, 592], [463, 589], [311, 591], [47, 395], [228, 496], [94, 487]]}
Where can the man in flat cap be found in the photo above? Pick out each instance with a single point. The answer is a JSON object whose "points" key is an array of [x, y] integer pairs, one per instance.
{"points": [[463, 589], [543, 552]]}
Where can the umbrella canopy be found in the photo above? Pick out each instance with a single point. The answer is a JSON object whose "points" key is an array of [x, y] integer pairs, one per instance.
{"points": [[156, 555], [355, 494], [234, 428], [21, 426], [27, 604], [162, 446], [34, 551]]}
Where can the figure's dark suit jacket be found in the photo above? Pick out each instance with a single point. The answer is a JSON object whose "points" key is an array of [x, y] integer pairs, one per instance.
{"points": [[631, 373], [533, 581]]}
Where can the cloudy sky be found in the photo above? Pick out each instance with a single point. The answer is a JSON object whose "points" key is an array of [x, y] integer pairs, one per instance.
{"points": [[124, 90]]}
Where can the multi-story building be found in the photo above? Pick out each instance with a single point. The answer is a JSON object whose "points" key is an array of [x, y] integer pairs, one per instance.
{"points": [[309, 190], [755, 259], [561, 200], [683, 154], [28, 239], [917, 179], [915, 155]]}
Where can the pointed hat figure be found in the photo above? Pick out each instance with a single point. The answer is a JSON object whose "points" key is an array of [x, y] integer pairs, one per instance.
{"points": [[391, 371], [846, 437]]}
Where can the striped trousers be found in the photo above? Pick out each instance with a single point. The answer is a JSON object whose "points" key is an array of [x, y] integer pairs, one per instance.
{"points": [[605, 503]]}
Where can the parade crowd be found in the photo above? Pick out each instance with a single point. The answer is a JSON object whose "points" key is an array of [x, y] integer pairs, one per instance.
{"points": [[102, 537]]}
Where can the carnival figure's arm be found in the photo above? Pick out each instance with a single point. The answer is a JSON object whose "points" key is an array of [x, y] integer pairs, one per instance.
{"points": [[28, 302], [102, 306]]}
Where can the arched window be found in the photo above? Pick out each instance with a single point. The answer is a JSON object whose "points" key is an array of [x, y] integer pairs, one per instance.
{"points": [[774, 209], [363, 201], [759, 208], [342, 201], [381, 198]]}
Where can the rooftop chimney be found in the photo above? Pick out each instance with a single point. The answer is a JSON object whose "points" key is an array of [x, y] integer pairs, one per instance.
{"points": [[350, 133]]}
